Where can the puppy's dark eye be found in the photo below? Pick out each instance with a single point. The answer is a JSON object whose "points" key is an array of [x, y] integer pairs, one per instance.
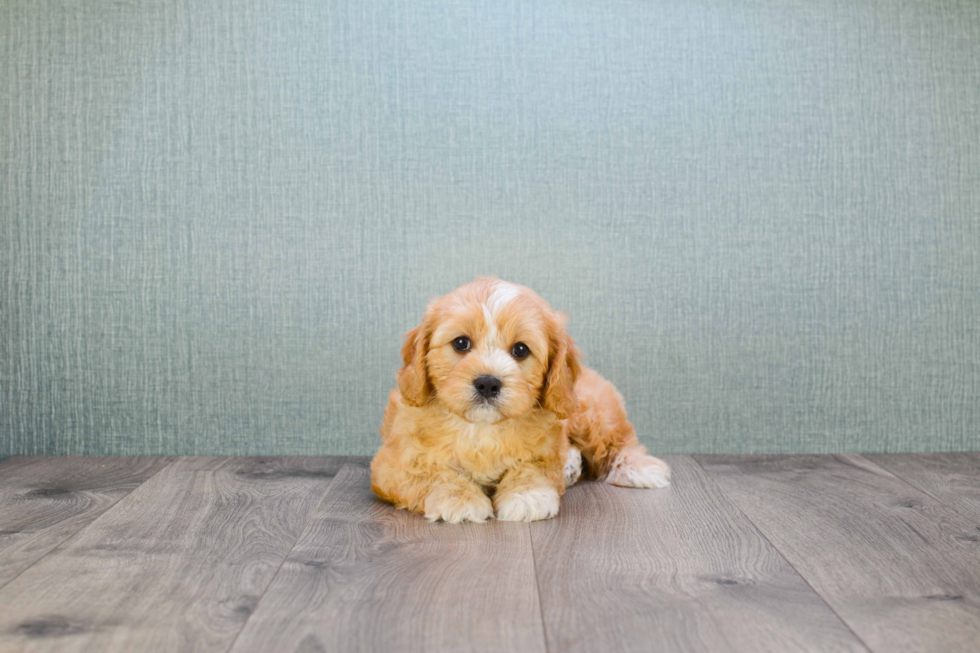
{"points": [[520, 351], [461, 343]]}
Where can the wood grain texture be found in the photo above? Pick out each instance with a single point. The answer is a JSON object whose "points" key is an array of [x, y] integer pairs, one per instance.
{"points": [[367, 577], [178, 565], [44, 500], [901, 568], [673, 570], [953, 478]]}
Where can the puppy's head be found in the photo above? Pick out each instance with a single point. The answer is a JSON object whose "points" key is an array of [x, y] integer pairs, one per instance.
{"points": [[490, 350]]}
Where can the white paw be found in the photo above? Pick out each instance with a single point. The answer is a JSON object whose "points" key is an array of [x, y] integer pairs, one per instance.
{"points": [[634, 469], [451, 505], [531, 504], [573, 466]]}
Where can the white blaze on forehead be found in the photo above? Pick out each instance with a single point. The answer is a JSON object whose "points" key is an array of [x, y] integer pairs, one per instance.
{"points": [[502, 295], [491, 338]]}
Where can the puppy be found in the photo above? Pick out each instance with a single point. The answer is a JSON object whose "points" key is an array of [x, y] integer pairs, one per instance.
{"points": [[494, 412]]}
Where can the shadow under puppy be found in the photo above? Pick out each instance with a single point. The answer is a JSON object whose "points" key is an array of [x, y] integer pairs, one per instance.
{"points": [[494, 412]]}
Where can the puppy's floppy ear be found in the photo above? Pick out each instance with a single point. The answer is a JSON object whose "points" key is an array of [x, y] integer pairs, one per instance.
{"points": [[413, 377], [563, 368]]}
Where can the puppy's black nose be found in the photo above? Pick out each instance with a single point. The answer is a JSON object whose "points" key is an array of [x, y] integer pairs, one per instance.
{"points": [[488, 386]]}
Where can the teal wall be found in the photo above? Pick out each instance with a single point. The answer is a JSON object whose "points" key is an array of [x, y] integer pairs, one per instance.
{"points": [[219, 216]]}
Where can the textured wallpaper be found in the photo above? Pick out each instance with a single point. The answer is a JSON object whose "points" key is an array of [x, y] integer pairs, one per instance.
{"points": [[218, 217]]}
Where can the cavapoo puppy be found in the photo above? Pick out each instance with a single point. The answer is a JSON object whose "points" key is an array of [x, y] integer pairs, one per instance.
{"points": [[494, 412]]}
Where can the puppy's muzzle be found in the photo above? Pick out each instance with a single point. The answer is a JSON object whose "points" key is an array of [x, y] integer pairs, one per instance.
{"points": [[488, 387]]}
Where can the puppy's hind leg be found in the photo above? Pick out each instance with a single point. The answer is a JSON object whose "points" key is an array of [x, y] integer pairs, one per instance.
{"points": [[633, 467], [608, 440]]}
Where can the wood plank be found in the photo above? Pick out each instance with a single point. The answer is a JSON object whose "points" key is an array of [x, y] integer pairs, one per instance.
{"points": [[367, 577], [953, 478], [898, 566], [44, 500], [679, 569], [178, 565]]}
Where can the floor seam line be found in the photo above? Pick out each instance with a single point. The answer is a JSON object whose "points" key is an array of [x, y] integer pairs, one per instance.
{"points": [[272, 578], [782, 555], [104, 513], [912, 485], [537, 587]]}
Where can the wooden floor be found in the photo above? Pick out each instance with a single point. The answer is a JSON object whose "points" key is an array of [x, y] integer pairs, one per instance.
{"points": [[761, 553]]}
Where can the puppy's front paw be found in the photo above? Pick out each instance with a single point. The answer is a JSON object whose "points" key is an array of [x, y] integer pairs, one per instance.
{"points": [[530, 504], [573, 466], [453, 505], [635, 469]]}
